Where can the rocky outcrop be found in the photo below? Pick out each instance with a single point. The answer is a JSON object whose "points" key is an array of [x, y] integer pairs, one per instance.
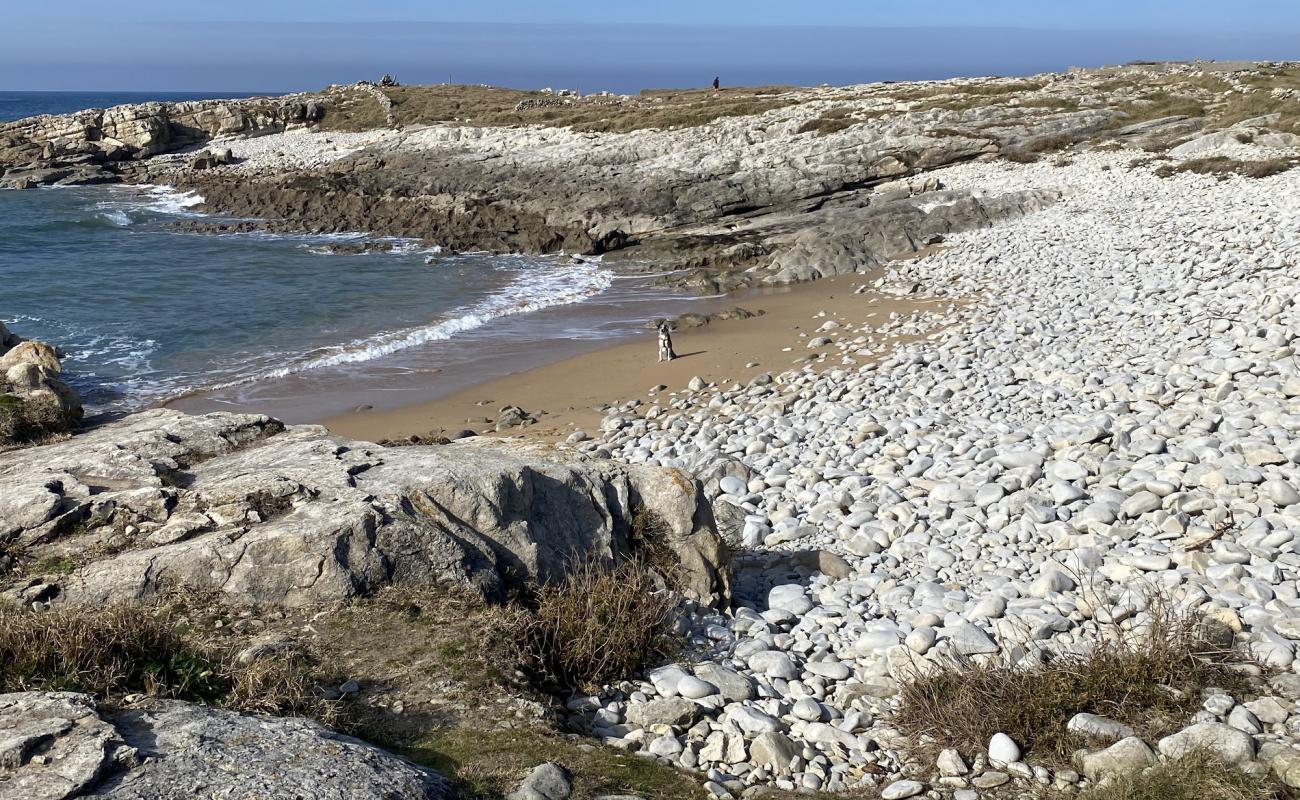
{"points": [[57, 745], [293, 516], [34, 401], [92, 146]]}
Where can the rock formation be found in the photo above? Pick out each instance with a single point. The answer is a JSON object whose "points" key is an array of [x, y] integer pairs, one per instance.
{"points": [[294, 516], [33, 399], [93, 146], [57, 745]]}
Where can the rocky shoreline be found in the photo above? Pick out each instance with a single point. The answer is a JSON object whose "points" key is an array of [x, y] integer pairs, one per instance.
{"points": [[826, 181], [1096, 445]]}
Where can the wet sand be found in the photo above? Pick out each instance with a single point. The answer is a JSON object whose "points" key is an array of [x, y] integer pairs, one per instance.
{"points": [[572, 394]]}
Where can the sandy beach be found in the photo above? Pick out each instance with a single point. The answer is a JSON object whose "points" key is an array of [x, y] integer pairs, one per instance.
{"points": [[572, 394]]}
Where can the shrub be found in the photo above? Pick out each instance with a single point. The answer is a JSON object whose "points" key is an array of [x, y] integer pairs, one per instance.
{"points": [[28, 421], [1148, 680], [126, 649], [1222, 167], [1190, 778], [598, 626]]}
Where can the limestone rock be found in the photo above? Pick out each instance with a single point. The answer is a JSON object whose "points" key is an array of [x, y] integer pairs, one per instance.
{"points": [[1230, 745], [1125, 757], [59, 745], [298, 516]]}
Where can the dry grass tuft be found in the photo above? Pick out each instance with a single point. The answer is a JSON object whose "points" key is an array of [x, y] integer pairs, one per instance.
{"points": [[30, 422], [125, 649], [598, 626], [1223, 167], [1190, 778], [1150, 681], [355, 110], [1158, 105]]}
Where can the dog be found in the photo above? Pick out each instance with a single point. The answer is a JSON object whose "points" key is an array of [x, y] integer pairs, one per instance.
{"points": [[665, 344]]}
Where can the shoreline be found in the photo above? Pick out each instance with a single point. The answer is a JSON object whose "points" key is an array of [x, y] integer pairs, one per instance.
{"points": [[574, 393]]}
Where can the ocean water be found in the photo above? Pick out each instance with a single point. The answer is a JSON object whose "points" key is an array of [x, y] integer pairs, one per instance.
{"points": [[16, 105], [147, 311]]}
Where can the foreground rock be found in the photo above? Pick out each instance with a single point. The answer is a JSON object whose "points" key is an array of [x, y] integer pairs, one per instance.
{"points": [[294, 516], [33, 398], [59, 745]]}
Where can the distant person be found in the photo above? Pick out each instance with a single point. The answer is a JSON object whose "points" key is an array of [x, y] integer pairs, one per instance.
{"points": [[716, 84], [665, 343]]}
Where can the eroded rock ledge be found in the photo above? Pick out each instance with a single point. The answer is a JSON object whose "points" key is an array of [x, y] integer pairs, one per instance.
{"points": [[56, 745], [265, 514]]}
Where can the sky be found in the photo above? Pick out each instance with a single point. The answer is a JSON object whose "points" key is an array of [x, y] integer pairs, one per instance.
{"points": [[283, 45]]}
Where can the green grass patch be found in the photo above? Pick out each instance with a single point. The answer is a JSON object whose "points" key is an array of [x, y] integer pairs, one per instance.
{"points": [[486, 765]]}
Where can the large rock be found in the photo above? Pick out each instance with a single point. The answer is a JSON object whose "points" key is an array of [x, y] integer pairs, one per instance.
{"points": [[88, 146], [59, 745], [293, 516], [1128, 756], [31, 389], [1226, 743]]}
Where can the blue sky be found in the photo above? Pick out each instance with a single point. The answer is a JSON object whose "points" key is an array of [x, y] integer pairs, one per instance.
{"points": [[278, 45]]}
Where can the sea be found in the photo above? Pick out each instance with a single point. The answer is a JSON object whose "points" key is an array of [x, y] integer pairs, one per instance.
{"points": [[301, 326]]}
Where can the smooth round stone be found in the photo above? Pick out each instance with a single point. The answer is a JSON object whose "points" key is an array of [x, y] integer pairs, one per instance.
{"points": [[807, 709], [789, 597], [1003, 749], [902, 789], [831, 670], [1280, 493], [693, 688], [774, 664], [920, 640], [730, 484]]}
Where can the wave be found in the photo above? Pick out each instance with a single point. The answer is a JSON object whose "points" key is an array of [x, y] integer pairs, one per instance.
{"points": [[532, 291]]}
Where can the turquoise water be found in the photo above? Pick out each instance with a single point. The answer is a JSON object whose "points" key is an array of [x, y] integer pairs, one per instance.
{"points": [[146, 311]]}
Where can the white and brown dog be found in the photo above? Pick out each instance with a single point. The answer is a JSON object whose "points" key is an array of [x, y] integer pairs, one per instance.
{"points": [[665, 343]]}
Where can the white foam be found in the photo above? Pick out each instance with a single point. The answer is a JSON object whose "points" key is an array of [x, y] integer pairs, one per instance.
{"points": [[535, 289]]}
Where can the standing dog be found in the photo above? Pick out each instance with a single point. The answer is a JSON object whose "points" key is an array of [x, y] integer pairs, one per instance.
{"points": [[665, 344]]}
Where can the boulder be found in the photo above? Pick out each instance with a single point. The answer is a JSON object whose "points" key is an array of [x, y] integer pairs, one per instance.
{"points": [[546, 781], [294, 516], [56, 745], [34, 400], [1229, 745], [1126, 757]]}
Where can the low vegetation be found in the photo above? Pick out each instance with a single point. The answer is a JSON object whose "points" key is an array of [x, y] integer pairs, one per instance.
{"points": [[1157, 105], [486, 764], [598, 626], [830, 121], [1036, 148], [354, 110], [1223, 167], [1190, 778], [29, 422], [123, 650], [1150, 681]]}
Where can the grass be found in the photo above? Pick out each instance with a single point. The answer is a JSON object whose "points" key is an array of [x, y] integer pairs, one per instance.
{"points": [[834, 120], [1034, 150], [1223, 167], [120, 650], [353, 110], [599, 626], [1150, 681], [486, 765], [1190, 778], [1157, 105]]}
